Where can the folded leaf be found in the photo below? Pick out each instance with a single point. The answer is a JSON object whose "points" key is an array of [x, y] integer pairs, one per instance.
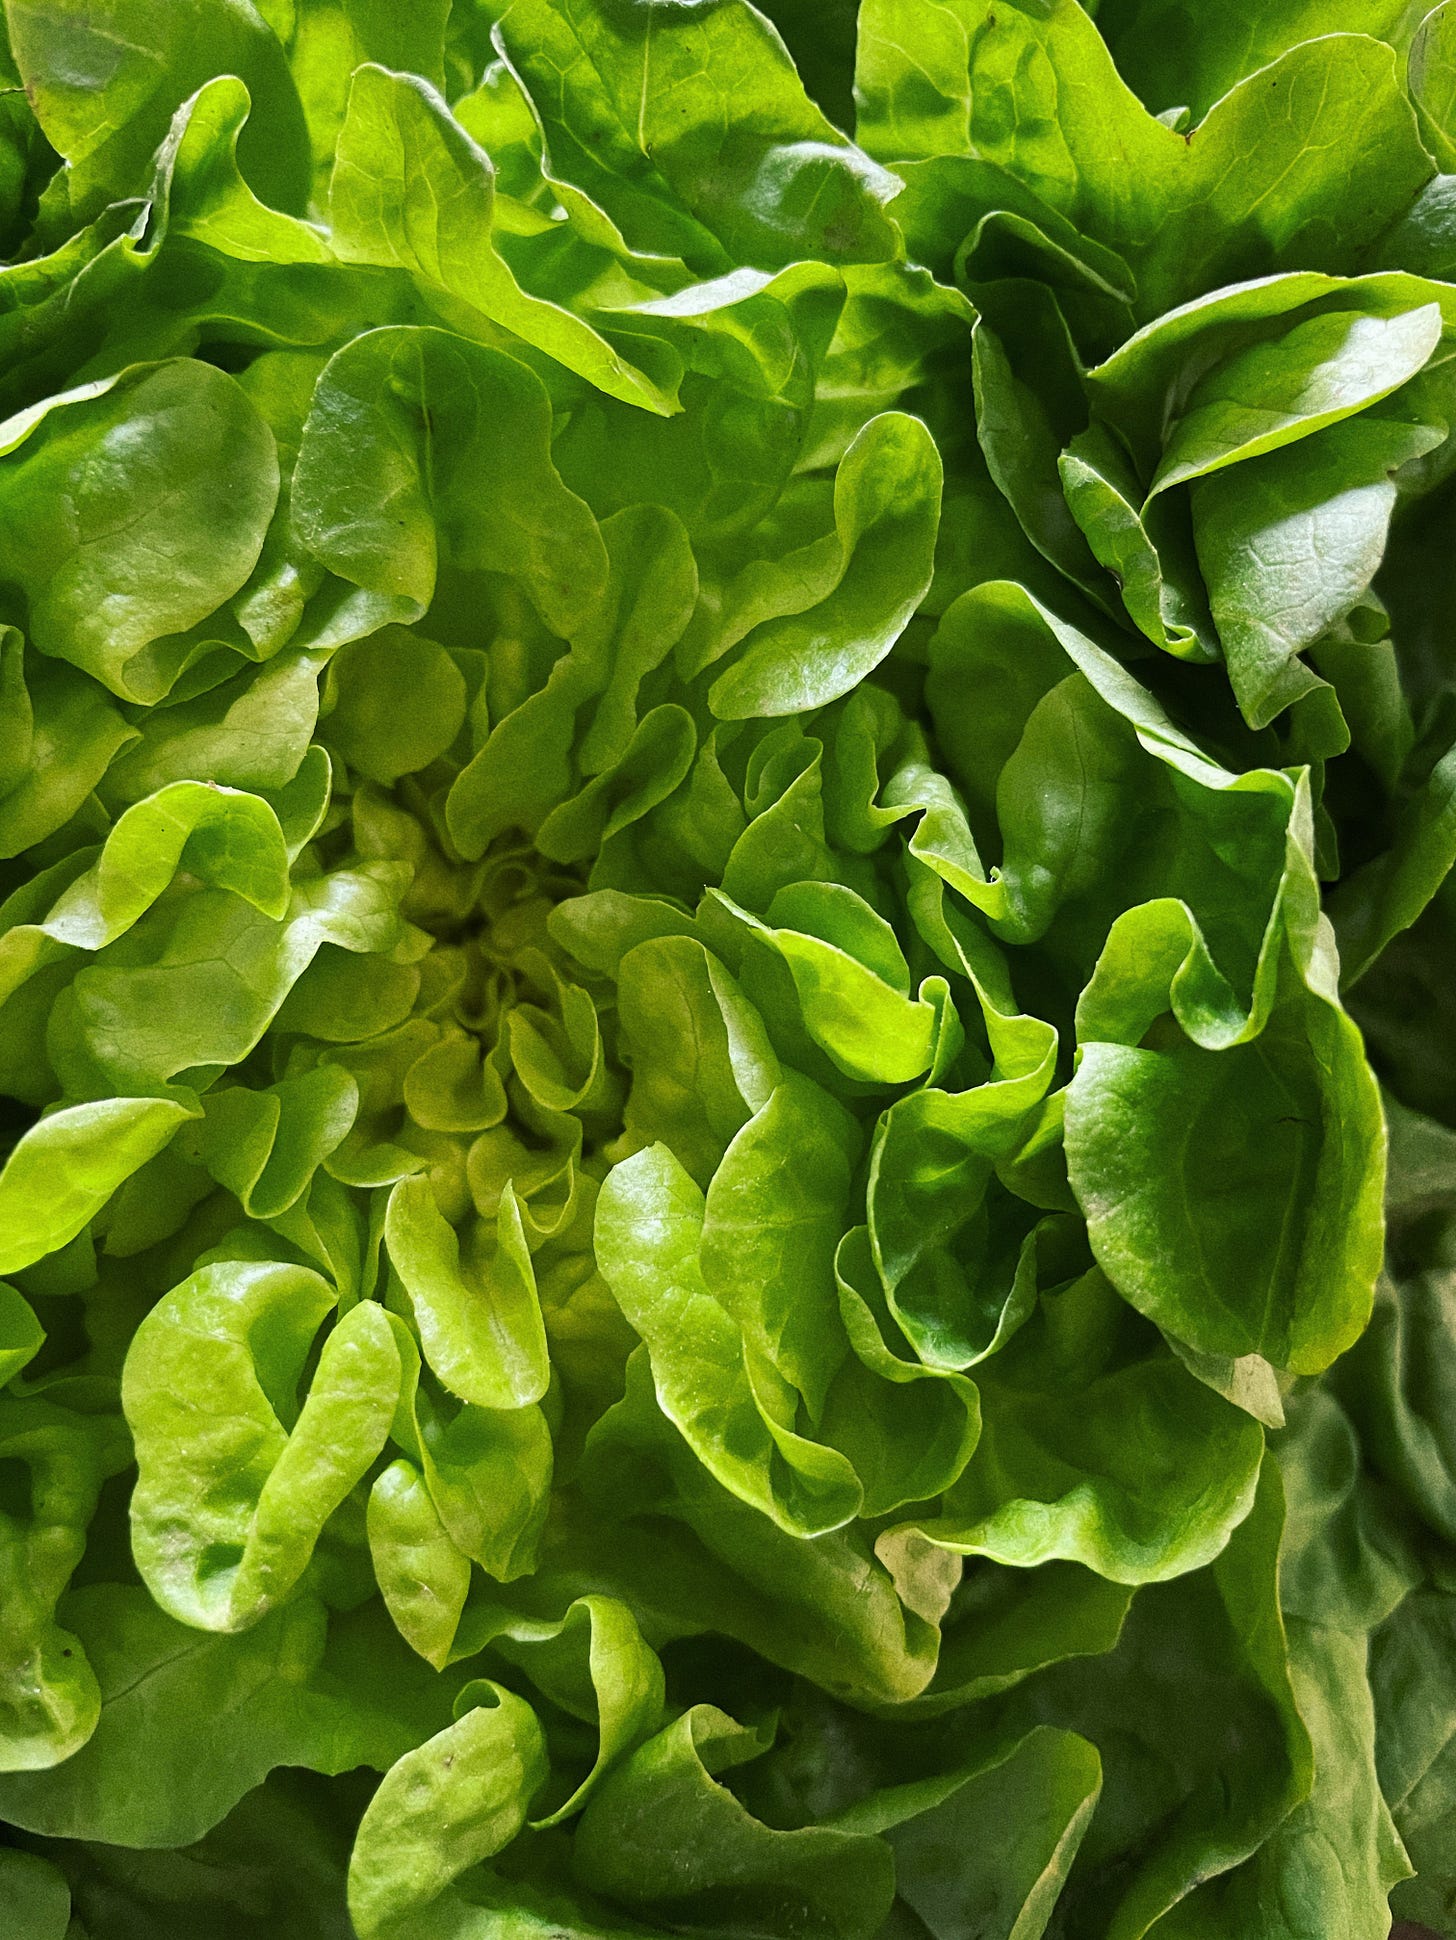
{"points": [[229, 1502]]}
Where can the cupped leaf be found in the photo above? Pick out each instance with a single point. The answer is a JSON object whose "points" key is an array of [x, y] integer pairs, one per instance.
{"points": [[908, 1430], [595, 1665], [478, 1314], [886, 513], [224, 971], [853, 983], [694, 132], [1323, 371], [67, 1166], [65, 733], [411, 189], [1289, 544], [105, 81], [452, 1802], [131, 516], [650, 1226], [1126, 1465], [827, 1609], [218, 836], [229, 1501], [412, 434], [1145, 551], [252, 731], [1043, 1787], [1264, 181], [488, 1475], [266, 1146], [205, 194], [49, 1701], [1275, 1250], [665, 1838]]}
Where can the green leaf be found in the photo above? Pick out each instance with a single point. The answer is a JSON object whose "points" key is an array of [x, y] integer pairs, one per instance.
{"points": [[1306, 161], [65, 1169], [1323, 371], [1021, 429], [251, 732], [1042, 1789], [1410, 1658], [191, 1721], [771, 1221], [48, 1691], [226, 970], [21, 1334], [654, 763], [694, 133], [886, 512], [229, 1502], [676, 802], [752, 346], [853, 983], [1395, 1396], [1332, 1863], [1195, 1705], [615, 1682], [1143, 385], [1289, 543], [827, 1609], [445, 1806], [701, 1061], [412, 434], [661, 1836], [1003, 1625], [422, 1576], [201, 185], [105, 81], [477, 1311], [1098, 1455], [908, 1430], [393, 703], [132, 516], [1170, 56], [488, 1472], [331, 38], [36, 1896], [72, 733], [650, 1227], [1375, 903], [411, 190], [265, 1146], [1279, 1258], [229, 840], [1432, 78], [1156, 577]]}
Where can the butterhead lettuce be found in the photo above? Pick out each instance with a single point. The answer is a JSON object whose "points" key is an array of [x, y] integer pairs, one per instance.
{"points": [[727, 1096]]}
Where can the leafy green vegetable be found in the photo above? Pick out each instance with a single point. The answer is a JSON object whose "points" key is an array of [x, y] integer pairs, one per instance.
{"points": [[727, 1162]]}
